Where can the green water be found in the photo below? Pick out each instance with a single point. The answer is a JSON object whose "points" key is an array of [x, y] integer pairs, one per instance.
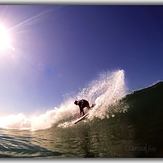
{"points": [[135, 133], [95, 139]]}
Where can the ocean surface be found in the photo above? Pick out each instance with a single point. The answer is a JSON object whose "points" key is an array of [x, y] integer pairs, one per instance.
{"points": [[130, 126]]}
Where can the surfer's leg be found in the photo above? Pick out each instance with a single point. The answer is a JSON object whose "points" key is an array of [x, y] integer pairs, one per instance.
{"points": [[82, 111]]}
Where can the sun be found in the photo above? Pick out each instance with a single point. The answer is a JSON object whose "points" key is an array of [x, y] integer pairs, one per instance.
{"points": [[5, 39]]}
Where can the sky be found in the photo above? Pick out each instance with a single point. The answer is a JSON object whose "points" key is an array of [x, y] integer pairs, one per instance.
{"points": [[58, 49]]}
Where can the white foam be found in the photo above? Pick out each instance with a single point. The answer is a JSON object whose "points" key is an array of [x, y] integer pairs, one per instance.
{"points": [[104, 91]]}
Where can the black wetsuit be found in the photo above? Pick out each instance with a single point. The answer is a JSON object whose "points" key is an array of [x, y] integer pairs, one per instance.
{"points": [[82, 104]]}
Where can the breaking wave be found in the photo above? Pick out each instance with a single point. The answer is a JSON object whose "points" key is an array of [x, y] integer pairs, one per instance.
{"points": [[106, 90]]}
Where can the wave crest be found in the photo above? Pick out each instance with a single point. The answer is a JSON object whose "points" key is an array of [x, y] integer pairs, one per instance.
{"points": [[106, 90]]}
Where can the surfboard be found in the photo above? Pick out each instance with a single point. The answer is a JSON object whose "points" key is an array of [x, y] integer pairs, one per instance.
{"points": [[83, 117]]}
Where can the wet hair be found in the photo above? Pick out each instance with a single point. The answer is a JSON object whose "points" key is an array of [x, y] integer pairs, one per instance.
{"points": [[76, 102]]}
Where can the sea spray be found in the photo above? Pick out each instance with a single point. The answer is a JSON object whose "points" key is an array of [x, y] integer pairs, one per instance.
{"points": [[113, 89], [106, 90]]}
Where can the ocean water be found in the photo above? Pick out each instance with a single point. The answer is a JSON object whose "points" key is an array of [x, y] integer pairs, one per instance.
{"points": [[119, 126], [95, 139]]}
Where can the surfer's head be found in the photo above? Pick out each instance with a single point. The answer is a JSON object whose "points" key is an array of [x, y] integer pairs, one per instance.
{"points": [[76, 102]]}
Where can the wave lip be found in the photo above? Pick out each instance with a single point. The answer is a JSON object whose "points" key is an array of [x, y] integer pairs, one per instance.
{"points": [[106, 90], [114, 89]]}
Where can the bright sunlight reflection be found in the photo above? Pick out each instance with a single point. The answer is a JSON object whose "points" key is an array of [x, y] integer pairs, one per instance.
{"points": [[5, 39]]}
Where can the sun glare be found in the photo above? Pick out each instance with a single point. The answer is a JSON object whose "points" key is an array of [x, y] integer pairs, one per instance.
{"points": [[5, 39]]}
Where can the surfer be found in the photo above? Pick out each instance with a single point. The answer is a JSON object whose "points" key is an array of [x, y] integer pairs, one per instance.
{"points": [[82, 104]]}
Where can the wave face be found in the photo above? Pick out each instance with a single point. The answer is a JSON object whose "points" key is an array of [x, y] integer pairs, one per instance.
{"points": [[136, 132], [106, 90]]}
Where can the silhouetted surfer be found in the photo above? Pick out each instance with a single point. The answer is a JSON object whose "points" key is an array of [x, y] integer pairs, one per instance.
{"points": [[82, 104]]}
